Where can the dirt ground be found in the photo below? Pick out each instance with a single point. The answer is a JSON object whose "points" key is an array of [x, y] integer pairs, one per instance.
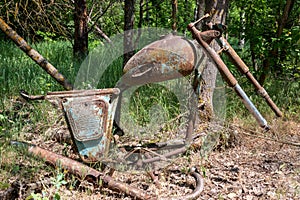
{"points": [[252, 168], [248, 167]]}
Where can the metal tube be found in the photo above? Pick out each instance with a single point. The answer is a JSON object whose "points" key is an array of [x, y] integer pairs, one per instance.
{"points": [[227, 75], [34, 55], [238, 62], [249, 105], [83, 171]]}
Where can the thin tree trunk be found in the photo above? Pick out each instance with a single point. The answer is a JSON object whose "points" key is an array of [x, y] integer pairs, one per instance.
{"points": [[265, 72], [80, 48], [128, 34], [253, 56], [174, 15], [99, 31], [242, 29], [102, 34], [141, 14], [287, 9], [252, 50], [273, 58], [200, 9], [140, 24], [147, 12]]}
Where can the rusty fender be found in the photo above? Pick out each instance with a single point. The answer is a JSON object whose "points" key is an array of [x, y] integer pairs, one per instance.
{"points": [[168, 58]]}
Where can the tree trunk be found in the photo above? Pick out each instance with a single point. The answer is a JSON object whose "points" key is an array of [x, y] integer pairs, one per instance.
{"points": [[141, 14], [80, 48], [218, 10], [174, 16], [200, 11], [287, 9], [273, 58], [128, 34]]}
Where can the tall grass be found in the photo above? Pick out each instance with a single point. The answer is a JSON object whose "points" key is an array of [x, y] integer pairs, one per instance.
{"points": [[285, 95], [18, 71]]}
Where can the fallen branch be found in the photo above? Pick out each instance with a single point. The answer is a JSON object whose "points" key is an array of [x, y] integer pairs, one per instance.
{"points": [[84, 171], [101, 33]]}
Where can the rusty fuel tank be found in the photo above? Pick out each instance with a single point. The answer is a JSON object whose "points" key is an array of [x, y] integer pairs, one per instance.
{"points": [[168, 58]]}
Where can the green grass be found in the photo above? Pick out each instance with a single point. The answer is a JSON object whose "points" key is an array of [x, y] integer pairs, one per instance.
{"points": [[284, 93], [18, 71]]}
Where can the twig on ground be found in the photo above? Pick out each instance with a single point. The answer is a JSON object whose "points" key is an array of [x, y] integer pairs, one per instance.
{"points": [[256, 134]]}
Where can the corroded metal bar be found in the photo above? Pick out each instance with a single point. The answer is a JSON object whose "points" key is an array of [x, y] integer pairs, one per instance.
{"points": [[34, 55], [84, 171], [73, 93], [230, 79], [238, 62], [197, 191], [227, 75]]}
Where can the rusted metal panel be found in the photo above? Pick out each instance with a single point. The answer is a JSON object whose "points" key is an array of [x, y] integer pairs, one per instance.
{"points": [[90, 115], [87, 117]]}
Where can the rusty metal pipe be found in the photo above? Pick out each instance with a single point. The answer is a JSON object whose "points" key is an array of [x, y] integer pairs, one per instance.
{"points": [[239, 63], [34, 55], [227, 75], [230, 79], [197, 191], [83, 171]]}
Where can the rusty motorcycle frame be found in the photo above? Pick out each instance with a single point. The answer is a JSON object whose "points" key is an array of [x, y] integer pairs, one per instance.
{"points": [[90, 113]]}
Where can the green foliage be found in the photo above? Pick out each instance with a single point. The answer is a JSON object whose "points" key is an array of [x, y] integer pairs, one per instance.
{"points": [[261, 33], [37, 197], [18, 71], [47, 36], [57, 182]]}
